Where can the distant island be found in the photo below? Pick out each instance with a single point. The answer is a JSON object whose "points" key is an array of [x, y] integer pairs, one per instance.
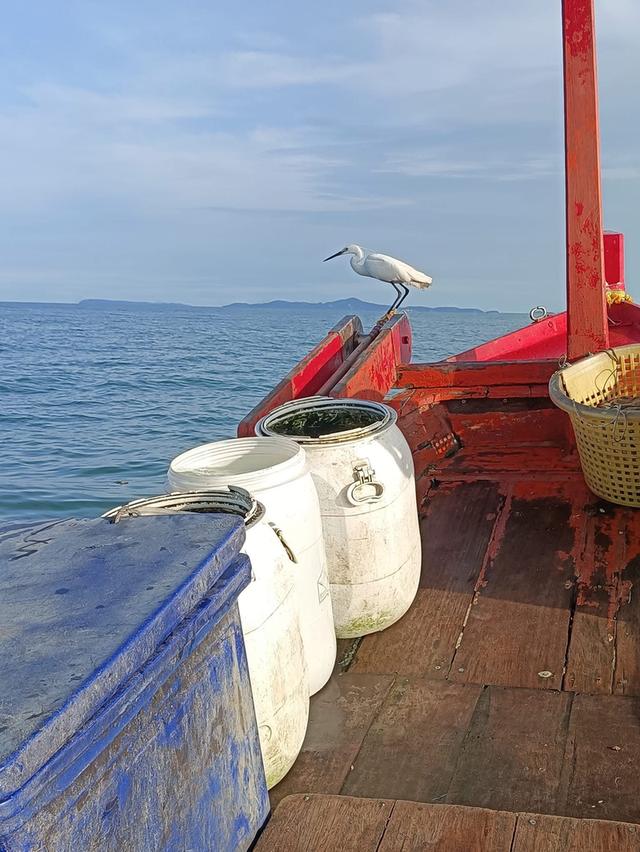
{"points": [[349, 305]]}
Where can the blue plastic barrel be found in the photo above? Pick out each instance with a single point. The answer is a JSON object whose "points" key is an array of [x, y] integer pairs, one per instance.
{"points": [[126, 718]]}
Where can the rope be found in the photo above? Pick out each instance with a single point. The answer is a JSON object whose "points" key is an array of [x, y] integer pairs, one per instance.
{"points": [[617, 297]]}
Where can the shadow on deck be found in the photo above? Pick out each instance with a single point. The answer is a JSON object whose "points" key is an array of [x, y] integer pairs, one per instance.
{"points": [[513, 683]]}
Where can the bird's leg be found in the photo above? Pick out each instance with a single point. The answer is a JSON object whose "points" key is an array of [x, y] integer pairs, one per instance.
{"points": [[394, 304], [404, 295], [401, 295]]}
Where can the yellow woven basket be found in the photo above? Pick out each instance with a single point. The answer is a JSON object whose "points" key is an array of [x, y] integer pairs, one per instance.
{"points": [[601, 395]]}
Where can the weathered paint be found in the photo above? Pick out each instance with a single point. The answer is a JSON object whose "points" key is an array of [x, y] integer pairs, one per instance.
{"points": [[614, 259], [588, 329], [155, 745], [342, 365], [544, 339], [461, 374], [374, 373], [548, 338]]}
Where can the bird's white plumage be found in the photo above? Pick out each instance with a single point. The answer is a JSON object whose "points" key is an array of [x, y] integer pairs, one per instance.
{"points": [[390, 269], [385, 268]]}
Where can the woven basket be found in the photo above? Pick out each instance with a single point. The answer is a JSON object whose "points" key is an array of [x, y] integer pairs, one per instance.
{"points": [[601, 394]]}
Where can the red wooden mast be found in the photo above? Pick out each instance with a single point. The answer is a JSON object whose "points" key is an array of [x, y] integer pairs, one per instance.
{"points": [[587, 322]]}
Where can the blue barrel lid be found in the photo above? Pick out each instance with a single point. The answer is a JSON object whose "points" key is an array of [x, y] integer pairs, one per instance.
{"points": [[83, 604]]}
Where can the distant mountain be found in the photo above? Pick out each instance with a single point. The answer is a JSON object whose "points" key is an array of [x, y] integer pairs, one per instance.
{"points": [[349, 305]]}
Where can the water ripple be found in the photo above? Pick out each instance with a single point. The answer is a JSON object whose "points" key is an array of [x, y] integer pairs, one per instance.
{"points": [[95, 404]]}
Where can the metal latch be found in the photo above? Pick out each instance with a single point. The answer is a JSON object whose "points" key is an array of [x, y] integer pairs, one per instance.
{"points": [[365, 488]]}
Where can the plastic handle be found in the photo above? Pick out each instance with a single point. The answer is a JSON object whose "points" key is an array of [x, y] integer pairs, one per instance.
{"points": [[364, 489], [283, 542]]}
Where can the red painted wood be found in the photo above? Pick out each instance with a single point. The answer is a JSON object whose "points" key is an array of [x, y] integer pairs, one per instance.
{"points": [[310, 373], [545, 339], [371, 375], [588, 329], [614, 259], [461, 374], [375, 371]]}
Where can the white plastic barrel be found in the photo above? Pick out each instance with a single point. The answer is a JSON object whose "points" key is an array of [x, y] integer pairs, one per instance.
{"points": [[363, 471], [274, 471], [270, 623]]}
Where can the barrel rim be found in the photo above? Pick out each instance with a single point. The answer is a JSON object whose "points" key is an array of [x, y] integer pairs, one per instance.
{"points": [[388, 418], [230, 501], [184, 470]]}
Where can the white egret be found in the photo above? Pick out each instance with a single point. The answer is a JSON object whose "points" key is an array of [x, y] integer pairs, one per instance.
{"points": [[395, 272]]}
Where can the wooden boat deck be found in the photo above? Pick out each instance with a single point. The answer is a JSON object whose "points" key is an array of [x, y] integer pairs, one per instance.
{"points": [[312, 824], [513, 683]]}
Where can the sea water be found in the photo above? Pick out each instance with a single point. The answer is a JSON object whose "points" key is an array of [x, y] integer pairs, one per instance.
{"points": [[96, 401]]}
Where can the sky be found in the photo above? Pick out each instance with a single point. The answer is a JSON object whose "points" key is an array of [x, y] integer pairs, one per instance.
{"points": [[208, 152]]}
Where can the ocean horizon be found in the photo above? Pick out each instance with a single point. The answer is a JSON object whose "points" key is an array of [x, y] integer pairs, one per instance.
{"points": [[96, 401]]}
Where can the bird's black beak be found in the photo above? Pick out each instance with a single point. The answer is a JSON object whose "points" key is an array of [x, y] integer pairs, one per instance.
{"points": [[337, 254]]}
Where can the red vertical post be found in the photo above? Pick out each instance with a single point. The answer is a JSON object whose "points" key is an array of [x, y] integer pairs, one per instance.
{"points": [[587, 322], [614, 260]]}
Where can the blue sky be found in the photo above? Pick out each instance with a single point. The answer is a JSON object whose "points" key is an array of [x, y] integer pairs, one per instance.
{"points": [[213, 152]]}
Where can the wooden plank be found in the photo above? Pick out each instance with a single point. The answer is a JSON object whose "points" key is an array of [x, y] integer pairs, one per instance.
{"points": [[495, 424], [447, 828], [306, 823], [325, 824], [592, 649], [464, 374], [538, 833], [455, 531], [308, 374], [490, 463], [428, 433], [339, 719], [512, 755], [626, 676], [411, 748], [519, 621], [375, 370], [614, 259], [588, 329], [601, 778], [536, 341]]}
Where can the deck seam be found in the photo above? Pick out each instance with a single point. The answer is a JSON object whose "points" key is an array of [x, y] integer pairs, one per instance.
{"points": [[567, 650], [516, 822], [567, 773], [619, 604], [386, 825], [392, 683], [497, 534], [463, 743], [577, 575], [614, 656]]}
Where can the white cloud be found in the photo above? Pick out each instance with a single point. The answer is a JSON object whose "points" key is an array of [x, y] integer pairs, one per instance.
{"points": [[263, 70], [70, 144], [398, 111], [442, 164]]}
